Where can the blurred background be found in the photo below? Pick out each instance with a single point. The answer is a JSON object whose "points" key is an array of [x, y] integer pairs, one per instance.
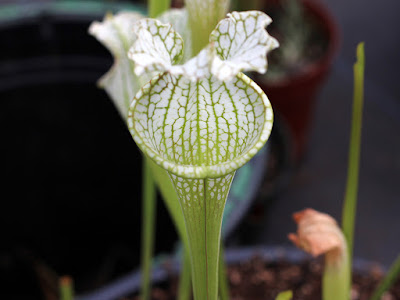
{"points": [[71, 188]]}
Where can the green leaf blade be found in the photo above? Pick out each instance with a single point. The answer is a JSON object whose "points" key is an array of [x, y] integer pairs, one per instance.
{"points": [[392, 275], [148, 227], [350, 200]]}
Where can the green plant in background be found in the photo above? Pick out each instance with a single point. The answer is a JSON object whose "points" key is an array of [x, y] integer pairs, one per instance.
{"points": [[319, 233], [197, 122]]}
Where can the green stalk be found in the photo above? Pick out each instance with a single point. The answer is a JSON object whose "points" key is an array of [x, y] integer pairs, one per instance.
{"points": [[171, 201], [170, 198], [350, 201], [66, 288], [336, 280], [390, 278], [202, 202], [204, 15], [156, 7], [223, 279], [185, 288], [148, 223]]}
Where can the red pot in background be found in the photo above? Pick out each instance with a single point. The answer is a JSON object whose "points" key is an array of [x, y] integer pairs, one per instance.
{"points": [[294, 97]]}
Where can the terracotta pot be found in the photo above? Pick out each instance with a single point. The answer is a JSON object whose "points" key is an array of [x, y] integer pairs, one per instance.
{"points": [[294, 97]]}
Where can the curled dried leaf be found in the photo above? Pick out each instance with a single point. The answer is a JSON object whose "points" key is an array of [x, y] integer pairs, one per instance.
{"points": [[318, 233]]}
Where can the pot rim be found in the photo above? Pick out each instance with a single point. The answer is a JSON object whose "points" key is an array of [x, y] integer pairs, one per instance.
{"points": [[11, 13]]}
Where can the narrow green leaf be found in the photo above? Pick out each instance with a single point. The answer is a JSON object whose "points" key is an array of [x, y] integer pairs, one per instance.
{"points": [[204, 15], [350, 200], [223, 277], [171, 200], [185, 287], [148, 228], [286, 295], [392, 275]]}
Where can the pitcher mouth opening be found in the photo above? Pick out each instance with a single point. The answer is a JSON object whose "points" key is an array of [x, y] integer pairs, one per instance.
{"points": [[203, 170]]}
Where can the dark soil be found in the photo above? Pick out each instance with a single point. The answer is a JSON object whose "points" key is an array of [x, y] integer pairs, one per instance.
{"points": [[257, 280]]}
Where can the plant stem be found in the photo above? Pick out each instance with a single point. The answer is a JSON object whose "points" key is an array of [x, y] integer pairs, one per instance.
{"points": [[223, 279], [336, 282], [148, 225], [350, 201], [185, 288], [172, 203], [66, 288], [170, 199], [156, 7], [204, 15], [390, 278], [203, 202]]}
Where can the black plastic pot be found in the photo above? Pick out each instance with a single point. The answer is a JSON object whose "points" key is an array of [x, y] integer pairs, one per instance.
{"points": [[71, 196], [165, 267]]}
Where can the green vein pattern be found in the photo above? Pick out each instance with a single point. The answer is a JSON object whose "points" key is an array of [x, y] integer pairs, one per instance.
{"points": [[200, 129]]}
